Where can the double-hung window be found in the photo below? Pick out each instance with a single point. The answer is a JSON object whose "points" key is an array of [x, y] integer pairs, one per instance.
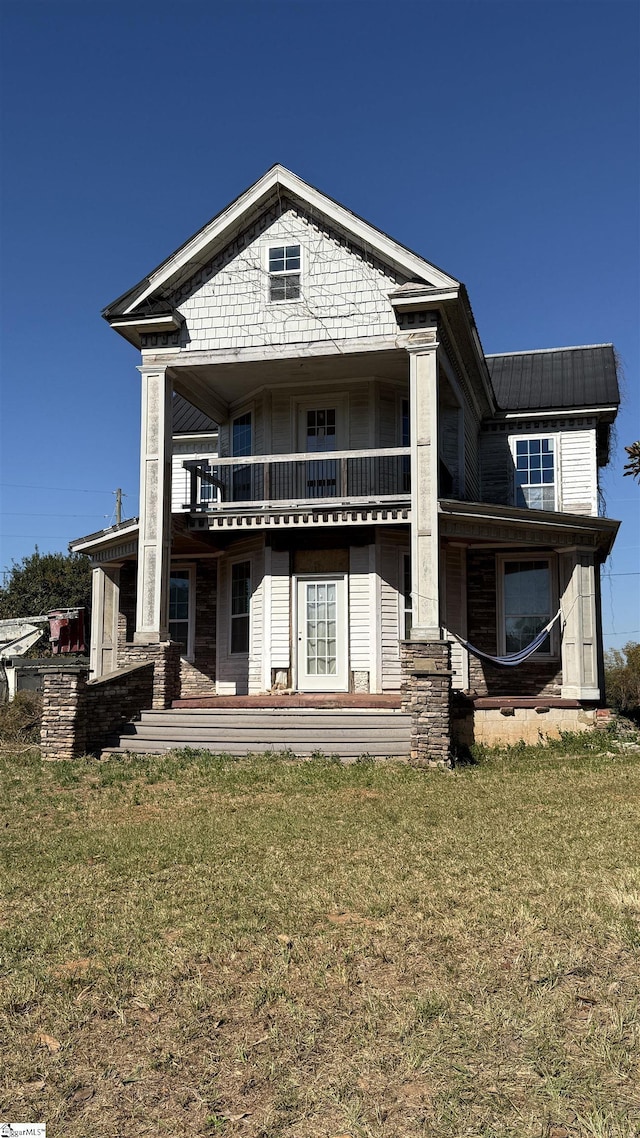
{"points": [[284, 272], [240, 600], [535, 472]]}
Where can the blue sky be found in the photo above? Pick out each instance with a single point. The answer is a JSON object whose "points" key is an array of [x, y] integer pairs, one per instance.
{"points": [[498, 140]]}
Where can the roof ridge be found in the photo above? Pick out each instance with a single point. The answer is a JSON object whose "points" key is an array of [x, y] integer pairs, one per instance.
{"points": [[541, 351]]}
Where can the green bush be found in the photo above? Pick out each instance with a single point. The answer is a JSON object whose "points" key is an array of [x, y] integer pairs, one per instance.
{"points": [[622, 677]]}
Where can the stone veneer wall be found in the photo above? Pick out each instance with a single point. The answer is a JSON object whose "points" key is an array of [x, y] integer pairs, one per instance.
{"points": [[63, 732], [79, 716], [426, 697], [198, 677], [534, 677], [165, 658]]}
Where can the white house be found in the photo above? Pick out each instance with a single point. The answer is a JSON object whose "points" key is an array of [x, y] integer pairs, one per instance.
{"points": [[376, 478]]}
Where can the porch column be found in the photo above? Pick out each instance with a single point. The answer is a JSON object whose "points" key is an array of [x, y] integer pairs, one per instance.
{"points": [[579, 615], [423, 405], [154, 542], [105, 598]]}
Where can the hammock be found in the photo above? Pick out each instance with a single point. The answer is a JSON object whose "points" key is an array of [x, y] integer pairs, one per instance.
{"points": [[514, 658]]}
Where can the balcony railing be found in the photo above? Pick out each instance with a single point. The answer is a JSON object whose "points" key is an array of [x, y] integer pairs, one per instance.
{"points": [[299, 479]]}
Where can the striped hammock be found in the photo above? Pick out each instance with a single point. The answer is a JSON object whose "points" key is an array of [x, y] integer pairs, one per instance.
{"points": [[514, 658]]}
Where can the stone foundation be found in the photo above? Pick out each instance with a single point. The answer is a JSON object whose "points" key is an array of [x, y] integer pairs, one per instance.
{"points": [[426, 696], [505, 726]]}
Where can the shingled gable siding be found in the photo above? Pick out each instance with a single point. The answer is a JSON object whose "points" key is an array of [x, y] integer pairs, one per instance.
{"points": [[534, 677], [344, 293]]}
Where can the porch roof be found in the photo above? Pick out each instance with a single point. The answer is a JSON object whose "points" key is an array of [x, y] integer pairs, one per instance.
{"points": [[490, 524]]}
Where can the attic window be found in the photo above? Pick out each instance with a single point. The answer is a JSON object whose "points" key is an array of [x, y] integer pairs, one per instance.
{"points": [[284, 272]]}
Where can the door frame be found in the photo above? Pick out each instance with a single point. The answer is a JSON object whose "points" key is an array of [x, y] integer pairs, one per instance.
{"points": [[342, 629]]}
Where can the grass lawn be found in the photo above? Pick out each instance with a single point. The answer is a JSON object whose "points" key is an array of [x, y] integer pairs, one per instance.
{"points": [[263, 948]]}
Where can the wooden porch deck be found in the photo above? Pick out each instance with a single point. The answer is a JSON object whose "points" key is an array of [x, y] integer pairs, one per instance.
{"points": [[314, 701]]}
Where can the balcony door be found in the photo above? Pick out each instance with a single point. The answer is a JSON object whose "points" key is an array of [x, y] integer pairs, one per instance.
{"points": [[318, 433], [322, 634]]}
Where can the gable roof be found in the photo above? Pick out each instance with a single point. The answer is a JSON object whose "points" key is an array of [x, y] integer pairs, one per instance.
{"points": [[150, 296], [555, 378]]}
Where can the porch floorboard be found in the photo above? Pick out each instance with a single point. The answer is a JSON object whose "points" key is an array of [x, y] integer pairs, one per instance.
{"points": [[313, 700]]}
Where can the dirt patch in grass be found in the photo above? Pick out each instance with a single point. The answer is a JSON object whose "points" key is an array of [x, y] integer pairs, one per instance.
{"points": [[296, 950]]}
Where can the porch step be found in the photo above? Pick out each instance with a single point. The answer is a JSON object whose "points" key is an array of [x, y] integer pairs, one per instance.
{"points": [[346, 732]]}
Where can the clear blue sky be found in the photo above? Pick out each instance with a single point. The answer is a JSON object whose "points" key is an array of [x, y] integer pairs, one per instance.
{"points": [[498, 140]]}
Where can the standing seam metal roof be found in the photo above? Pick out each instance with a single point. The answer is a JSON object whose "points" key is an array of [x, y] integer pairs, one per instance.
{"points": [[555, 378]]}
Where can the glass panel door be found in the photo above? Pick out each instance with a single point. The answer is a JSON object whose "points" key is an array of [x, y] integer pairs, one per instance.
{"points": [[322, 477], [322, 664]]}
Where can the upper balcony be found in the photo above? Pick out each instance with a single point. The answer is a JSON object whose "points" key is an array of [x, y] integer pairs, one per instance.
{"points": [[353, 487]]}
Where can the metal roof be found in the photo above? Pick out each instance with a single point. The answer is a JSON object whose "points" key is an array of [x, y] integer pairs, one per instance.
{"points": [[555, 378], [188, 420]]}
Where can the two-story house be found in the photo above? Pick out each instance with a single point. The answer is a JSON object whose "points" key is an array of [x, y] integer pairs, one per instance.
{"points": [[376, 479]]}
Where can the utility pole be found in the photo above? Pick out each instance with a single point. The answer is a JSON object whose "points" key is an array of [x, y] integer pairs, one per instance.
{"points": [[118, 494]]}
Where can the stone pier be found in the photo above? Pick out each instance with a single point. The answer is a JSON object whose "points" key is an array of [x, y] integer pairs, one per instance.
{"points": [[426, 697]]}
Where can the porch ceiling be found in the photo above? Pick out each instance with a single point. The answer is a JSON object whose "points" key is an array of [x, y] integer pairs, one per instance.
{"points": [[214, 387]]}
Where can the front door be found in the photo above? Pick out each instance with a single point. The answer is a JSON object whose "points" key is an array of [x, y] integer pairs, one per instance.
{"points": [[322, 634]]}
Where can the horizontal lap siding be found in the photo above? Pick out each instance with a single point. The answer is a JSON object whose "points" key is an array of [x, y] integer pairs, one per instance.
{"points": [[360, 621], [389, 569], [579, 472], [236, 674], [280, 610], [181, 478]]}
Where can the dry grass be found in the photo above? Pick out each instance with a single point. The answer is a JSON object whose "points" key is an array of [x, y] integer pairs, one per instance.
{"points": [[272, 949]]}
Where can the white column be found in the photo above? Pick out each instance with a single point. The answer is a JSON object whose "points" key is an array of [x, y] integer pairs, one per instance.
{"points": [[105, 596], [579, 617], [423, 406], [154, 542]]}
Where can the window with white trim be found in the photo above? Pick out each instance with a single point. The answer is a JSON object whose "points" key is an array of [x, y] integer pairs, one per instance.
{"points": [[181, 610], [284, 272], [535, 461], [240, 601], [527, 590]]}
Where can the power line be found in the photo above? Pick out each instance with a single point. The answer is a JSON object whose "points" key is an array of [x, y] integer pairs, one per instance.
{"points": [[58, 489], [49, 514]]}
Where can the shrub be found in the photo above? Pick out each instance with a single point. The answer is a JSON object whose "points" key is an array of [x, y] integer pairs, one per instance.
{"points": [[622, 676], [20, 719]]}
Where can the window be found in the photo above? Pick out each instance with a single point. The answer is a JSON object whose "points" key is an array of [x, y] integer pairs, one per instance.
{"points": [[240, 597], [284, 272], [241, 445], [527, 602], [535, 476], [180, 605]]}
